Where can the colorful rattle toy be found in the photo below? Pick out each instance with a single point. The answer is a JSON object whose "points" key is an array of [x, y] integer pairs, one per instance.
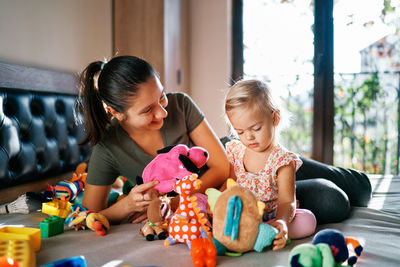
{"points": [[68, 190]]}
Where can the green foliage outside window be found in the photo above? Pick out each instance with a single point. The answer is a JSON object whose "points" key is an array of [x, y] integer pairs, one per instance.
{"points": [[366, 124]]}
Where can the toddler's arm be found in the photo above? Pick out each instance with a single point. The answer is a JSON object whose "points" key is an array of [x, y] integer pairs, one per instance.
{"points": [[286, 203], [232, 175]]}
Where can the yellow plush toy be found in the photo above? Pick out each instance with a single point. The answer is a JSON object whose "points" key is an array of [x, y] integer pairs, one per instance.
{"points": [[92, 220]]}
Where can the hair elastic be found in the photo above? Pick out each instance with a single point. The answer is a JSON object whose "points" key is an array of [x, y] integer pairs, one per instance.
{"points": [[102, 65]]}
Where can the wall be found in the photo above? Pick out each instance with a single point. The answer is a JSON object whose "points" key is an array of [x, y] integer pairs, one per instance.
{"points": [[210, 58], [67, 35], [55, 34], [139, 31]]}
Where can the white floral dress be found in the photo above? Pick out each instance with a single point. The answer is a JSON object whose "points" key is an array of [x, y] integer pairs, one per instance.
{"points": [[264, 184]]}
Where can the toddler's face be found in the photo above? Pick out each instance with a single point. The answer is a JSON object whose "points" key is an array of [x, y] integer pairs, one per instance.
{"points": [[255, 130]]}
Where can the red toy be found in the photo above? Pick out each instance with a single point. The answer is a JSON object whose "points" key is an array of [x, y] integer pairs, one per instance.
{"points": [[172, 163], [204, 253], [6, 261]]}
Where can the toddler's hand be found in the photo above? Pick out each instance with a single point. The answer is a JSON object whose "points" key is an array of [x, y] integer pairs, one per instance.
{"points": [[282, 236]]}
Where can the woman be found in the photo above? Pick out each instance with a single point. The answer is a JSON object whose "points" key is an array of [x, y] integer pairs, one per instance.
{"points": [[128, 118]]}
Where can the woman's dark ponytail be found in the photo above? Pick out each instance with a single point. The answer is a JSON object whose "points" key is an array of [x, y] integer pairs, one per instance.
{"points": [[96, 118], [113, 84]]}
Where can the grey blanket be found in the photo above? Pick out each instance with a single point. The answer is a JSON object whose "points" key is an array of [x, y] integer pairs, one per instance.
{"points": [[377, 227]]}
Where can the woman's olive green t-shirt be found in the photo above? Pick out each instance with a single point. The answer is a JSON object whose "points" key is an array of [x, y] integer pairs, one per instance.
{"points": [[118, 155]]}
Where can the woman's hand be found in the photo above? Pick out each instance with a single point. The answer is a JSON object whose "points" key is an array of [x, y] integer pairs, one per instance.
{"points": [[138, 217], [140, 197], [282, 236]]}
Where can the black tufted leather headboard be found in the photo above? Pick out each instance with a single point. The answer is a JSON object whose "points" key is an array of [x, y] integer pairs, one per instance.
{"points": [[39, 133]]}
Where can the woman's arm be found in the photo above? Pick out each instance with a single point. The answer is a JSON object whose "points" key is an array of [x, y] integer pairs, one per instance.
{"points": [[218, 165], [96, 197]]}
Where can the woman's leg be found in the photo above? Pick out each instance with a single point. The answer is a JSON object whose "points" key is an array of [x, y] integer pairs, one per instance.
{"points": [[302, 225], [323, 198], [354, 183]]}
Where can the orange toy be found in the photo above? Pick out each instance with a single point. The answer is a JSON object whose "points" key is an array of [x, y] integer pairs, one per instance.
{"points": [[5, 261], [204, 253], [187, 223], [17, 253]]}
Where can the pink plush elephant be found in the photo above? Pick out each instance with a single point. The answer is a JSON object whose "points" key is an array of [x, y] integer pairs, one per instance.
{"points": [[173, 163]]}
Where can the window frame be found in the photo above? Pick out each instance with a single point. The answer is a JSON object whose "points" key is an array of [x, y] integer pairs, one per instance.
{"points": [[323, 117]]}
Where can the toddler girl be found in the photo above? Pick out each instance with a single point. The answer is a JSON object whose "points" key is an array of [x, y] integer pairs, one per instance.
{"points": [[260, 164]]}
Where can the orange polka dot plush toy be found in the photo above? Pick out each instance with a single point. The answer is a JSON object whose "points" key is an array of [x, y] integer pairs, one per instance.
{"points": [[188, 223]]}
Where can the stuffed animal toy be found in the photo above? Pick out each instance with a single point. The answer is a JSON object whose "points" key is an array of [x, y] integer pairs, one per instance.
{"points": [[237, 220], [80, 218], [355, 250], [187, 223], [159, 212], [68, 190], [330, 248], [305, 255], [339, 245], [172, 163]]}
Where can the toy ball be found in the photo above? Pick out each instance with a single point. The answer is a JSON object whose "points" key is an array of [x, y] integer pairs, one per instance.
{"points": [[336, 240]]}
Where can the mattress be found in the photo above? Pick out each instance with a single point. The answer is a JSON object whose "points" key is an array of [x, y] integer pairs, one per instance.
{"points": [[377, 227]]}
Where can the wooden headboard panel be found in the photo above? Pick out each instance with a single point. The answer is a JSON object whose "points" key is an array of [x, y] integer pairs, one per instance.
{"points": [[39, 127], [34, 79]]}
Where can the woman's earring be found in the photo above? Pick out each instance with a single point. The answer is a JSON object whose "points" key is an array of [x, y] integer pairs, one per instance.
{"points": [[114, 113]]}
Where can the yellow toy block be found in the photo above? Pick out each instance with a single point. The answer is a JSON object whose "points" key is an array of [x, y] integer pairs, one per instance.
{"points": [[57, 208], [20, 251], [22, 233]]}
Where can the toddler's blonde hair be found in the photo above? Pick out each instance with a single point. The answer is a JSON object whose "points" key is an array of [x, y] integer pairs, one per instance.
{"points": [[253, 93]]}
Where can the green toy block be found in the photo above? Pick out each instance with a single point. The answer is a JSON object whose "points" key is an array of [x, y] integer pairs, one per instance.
{"points": [[52, 226]]}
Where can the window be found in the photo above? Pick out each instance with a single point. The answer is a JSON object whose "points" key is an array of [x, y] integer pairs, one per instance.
{"points": [[347, 115]]}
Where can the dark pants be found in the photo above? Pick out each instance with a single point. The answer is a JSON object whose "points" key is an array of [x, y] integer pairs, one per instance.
{"points": [[329, 191]]}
